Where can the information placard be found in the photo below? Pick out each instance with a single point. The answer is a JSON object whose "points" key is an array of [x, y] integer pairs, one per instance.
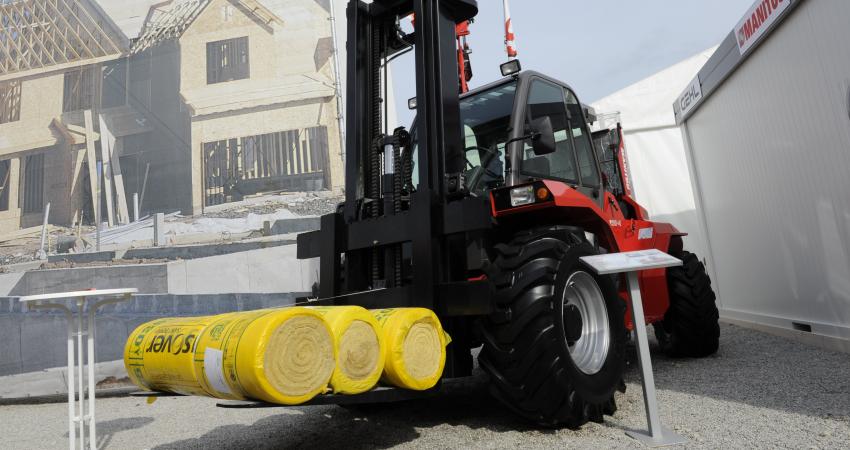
{"points": [[630, 261]]}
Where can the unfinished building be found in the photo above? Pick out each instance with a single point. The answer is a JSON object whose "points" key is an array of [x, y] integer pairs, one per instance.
{"points": [[184, 103]]}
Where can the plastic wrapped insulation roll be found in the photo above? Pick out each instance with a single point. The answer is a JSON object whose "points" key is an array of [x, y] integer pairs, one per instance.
{"points": [[159, 355], [415, 347], [284, 356], [359, 348]]}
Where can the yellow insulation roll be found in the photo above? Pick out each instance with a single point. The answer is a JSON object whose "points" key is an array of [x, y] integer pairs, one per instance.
{"points": [[283, 356], [159, 355], [415, 347], [360, 350]]}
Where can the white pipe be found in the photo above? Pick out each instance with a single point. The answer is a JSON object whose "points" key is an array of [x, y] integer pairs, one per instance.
{"points": [[97, 205], [136, 207], [41, 250]]}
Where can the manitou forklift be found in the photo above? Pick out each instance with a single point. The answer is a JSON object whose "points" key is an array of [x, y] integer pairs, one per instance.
{"points": [[481, 211]]}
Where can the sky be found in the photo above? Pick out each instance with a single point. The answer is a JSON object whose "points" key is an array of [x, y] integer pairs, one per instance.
{"points": [[598, 47]]}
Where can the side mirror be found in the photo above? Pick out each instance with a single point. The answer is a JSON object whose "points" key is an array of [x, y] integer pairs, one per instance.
{"points": [[543, 137]]}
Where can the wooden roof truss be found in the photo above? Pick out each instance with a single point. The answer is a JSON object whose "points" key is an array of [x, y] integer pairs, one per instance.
{"points": [[44, 34], [168, 21]]}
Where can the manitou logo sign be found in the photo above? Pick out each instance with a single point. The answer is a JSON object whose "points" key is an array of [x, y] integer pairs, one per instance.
{"points": [[757, 21]]}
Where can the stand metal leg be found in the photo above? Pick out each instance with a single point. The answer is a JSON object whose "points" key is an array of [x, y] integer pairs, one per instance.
{"points": [[81, 419], [90, 358], [72, 435], [658, 435]]}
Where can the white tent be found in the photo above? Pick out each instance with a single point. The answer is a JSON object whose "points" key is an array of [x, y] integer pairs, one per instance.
{"points": [[654, 148]]}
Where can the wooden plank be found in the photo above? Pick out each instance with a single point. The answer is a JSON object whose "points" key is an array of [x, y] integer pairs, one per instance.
{"points": [[118, 178], [91, 159], [25, 233], [73, 134], [79, 157], [106, 163], [144, 186], [80, 130]]}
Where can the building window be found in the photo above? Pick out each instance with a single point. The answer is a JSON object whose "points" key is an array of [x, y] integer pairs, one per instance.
{"points": [[10, 101], [114, 84], [227, 60], [294, 160], [80, 89], [32, 184], [5, 172], [140, 80]]}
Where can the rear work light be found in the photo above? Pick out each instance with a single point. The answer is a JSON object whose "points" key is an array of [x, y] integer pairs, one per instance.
{"points": [[511, 67]]}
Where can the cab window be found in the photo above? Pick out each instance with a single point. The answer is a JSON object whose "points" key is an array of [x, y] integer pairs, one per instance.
{"points": [[583, 144], [547, 99]]}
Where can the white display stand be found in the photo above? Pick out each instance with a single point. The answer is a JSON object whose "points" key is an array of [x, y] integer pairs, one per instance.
{"points": [[631, 263], [83, 415]]}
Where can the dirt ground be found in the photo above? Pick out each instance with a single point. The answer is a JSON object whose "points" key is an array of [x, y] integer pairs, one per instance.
{"points": [[759, 391]]}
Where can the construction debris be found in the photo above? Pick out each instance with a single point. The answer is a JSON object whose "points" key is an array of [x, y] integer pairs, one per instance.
{"points": [[300, 204], [224, 223]]}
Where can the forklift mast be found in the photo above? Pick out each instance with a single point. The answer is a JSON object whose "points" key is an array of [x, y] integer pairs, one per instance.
{"points": [[396, 242]]}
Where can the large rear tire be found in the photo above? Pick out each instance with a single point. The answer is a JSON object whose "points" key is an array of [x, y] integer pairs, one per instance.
{"points": [[555, 348], [690, 327]]}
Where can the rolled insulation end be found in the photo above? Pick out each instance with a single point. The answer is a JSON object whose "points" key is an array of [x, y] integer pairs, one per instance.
{"points": [[415, 347], [283, 356], [360, 350]]}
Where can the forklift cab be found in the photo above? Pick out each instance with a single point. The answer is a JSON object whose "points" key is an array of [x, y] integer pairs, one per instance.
{"points": [[509, 127]]}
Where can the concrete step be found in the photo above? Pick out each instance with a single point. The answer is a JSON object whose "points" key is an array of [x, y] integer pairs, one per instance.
{"points": [[297, 225], [169, 253], [263, 270]]}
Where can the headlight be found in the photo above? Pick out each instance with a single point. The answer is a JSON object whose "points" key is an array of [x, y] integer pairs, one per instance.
{"points": [[523, 195]]}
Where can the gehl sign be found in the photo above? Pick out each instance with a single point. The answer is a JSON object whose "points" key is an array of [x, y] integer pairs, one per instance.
{"points": [[753, 26], [689, 98], [757, 21]]}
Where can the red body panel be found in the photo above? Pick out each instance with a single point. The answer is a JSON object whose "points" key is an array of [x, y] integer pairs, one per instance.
{"points": [[615, 232], [627, 235]]}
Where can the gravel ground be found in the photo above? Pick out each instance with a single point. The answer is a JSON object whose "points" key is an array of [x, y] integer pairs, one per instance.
{"points": [[759, 391]]}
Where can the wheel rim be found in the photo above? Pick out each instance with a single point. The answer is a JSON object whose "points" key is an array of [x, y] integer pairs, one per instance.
{"points": [[583, 305]]}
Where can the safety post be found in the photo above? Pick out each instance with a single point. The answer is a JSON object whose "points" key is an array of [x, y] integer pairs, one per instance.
{"points": [[631, 263]]}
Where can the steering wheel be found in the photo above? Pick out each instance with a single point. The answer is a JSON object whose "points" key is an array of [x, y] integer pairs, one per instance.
{"points": [[481, 149], [469, 164]]}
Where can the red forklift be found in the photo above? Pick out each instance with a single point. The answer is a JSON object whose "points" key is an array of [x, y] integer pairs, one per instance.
{"points": [[480, 212]]}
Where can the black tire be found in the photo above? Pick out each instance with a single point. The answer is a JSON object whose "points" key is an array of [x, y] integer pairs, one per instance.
{"points": [[690, 327], [525, 350]]}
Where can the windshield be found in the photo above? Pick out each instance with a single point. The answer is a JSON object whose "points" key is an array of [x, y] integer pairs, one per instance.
{"points": [[485, 118]]}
